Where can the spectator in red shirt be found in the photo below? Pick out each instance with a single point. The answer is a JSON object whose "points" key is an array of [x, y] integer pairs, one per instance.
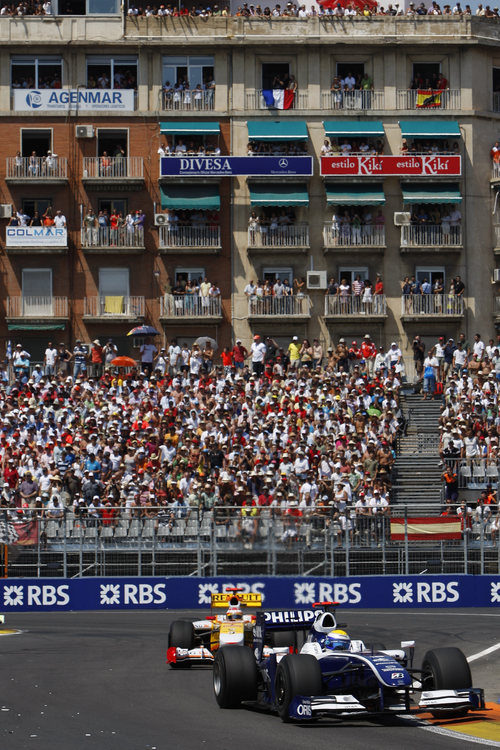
{"points": [[240, 354], [227, 359], [379, 285], [96, 356]]}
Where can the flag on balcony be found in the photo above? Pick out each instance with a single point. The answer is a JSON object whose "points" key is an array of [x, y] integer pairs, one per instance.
{"points": [[426, 529], [18, 532], [278, 98], [428, 98]]}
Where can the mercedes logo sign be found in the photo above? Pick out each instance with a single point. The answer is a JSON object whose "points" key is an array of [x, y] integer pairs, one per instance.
{"points": [[283, 163]]}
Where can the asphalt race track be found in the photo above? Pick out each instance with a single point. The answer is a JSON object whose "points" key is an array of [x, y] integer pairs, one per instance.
{"points": [[99, 681]]}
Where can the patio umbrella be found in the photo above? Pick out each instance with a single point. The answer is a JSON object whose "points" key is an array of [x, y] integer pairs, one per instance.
{"points": [[124, 362], [143, 331], [203, 340]]}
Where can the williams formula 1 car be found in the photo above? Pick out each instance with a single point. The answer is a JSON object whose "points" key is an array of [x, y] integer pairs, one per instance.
{"points": [[195, 643], [317, 670]]}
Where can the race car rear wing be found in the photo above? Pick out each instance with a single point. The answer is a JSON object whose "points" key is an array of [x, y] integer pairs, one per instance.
{"points": [[247, 599], [284, 619]]}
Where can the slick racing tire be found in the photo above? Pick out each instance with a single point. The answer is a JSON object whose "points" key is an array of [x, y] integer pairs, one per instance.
{"points": [[293, 638], [234, 676], [297, 674], [181, 635], [446, 669]]}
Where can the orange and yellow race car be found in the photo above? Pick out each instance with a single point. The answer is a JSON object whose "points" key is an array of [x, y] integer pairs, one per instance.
{"points": [[196, 642]]}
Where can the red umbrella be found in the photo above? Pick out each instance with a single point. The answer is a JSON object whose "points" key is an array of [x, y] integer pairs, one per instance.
{"points": [[356, 4], [124, 362]]}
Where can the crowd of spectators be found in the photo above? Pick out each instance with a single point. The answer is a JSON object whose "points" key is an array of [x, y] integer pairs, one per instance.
{"points": [[279, 148], [112, 227], [181, 95], [429, 147], [193, 148], [122, 79], [348, 146], [197, 297], [426, 218], [355, 296], [20, 218], [356, 226], [270, 227]]}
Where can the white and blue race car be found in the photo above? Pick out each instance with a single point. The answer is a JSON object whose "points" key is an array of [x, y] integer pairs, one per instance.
{"points": [[303, 666]]}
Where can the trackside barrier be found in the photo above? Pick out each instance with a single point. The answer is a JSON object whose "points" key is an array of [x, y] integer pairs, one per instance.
{"points": [[373, 592]]}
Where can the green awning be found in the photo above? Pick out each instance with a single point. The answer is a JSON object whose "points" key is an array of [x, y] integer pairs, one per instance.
{"points": [[193, 127], [346, 128], [283, 130], [424, 128], [36, 326], [355, 195], [279, 194], [431, 193], [204, 197]]}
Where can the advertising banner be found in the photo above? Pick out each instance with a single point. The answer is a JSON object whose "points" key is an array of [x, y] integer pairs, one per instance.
{"points": [[36, 237], [229, 166], [429, 165], [44, 100], [371, 592]]}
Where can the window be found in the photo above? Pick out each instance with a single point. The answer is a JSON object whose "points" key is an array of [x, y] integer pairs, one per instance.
{"points": [[112, 141], [272, 71], [188, 71], [348, 68], [113, 204], [349, 273], [426, 74], [431, 273], [30, 205], [35, 72], [105, 72], [35, 140], [37, 291], [182, 275], [87, 7], [272, 273], [496, 80], [114, 282]]}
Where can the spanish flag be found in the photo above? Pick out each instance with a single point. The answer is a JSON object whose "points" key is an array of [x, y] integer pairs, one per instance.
{"points": [[426, 529], [428, 98]]}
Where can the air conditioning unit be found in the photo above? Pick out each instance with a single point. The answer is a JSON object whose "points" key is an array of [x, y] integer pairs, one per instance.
{"points": [[316, 279], [84, 131], [496, 274], [160, 220], [402, 219], [5, 210]]}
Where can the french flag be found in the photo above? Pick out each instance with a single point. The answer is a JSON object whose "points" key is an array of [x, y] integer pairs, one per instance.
{"points": [[278, 98]]}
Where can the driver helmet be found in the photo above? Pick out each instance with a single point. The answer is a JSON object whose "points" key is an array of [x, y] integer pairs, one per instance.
{"points": [[337, 640], [234, 613]]}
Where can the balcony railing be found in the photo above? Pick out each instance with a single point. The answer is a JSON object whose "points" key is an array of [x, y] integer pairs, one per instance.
{"points": [[192, 100], [255, 100], [352, 100], [114, 306], [297, 305], [496, 101], [113, 167], [352, 304], [190, 306], [37, 168], [438, 305], [432, 235], [37, 307], [496, 230], [496, 306], [190, 236], [449, 99], [495, 171], [294, 236], [366, 235], [107, 237]]}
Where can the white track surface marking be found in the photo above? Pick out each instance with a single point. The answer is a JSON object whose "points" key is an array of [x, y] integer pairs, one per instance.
{"points": [[486, 651], [459, 736]]}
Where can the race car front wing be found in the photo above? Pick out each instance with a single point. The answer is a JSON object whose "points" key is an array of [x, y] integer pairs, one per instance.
{"points": [[187, 656]]}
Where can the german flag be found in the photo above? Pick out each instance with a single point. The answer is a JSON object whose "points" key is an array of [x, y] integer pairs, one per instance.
{"points": [[426, 529], [428, 98]]}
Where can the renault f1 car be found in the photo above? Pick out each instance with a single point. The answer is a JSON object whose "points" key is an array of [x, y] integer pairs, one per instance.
{"points": [[196, 642], [317, 670]]}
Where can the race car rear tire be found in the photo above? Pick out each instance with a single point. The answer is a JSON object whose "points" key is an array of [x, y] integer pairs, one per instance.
{"points": [[234, 676], [181, 635], [293, 638], [297, 674], [446, 669]]}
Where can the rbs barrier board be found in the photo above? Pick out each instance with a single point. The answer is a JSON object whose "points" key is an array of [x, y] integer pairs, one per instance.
{"points": [[387, 166], [377, 592], [229, 166]]}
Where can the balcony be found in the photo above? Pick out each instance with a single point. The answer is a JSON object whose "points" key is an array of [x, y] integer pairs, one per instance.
{"points": [[37, 308], [296, 307], [366, 237], [190, 239], [112, 241], [495, 171], [189, 308], [407, 99], [255, 100], [496, 101], [36, 169], [496, 309], [435, 237], [289, 238], [118, 172], [114, 309], [357, 100], [352, 307], [194, 100], [439, 306]]}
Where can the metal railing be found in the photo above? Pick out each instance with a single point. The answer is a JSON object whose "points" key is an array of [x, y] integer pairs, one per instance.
{"points": [[113, 167], [439, 305], [496, 306], [407, 99], [107, 237], [287, 236], [420, 235], [352, 99], [496, 101], [194, 100], [114, 306], [37, 168], [255, 100], [352, 304], [190, 306], [366, 235], [296, 305], [474, 473], [37, 307], [190, 236], [495, 170]]}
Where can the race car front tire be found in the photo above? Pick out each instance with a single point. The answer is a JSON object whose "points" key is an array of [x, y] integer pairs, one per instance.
{"points": [[234, 676], [181, 635], [297, 674], [446, 669]]}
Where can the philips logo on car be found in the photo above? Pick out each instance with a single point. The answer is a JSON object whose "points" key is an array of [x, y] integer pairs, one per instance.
{"points": [[291, 617]]}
